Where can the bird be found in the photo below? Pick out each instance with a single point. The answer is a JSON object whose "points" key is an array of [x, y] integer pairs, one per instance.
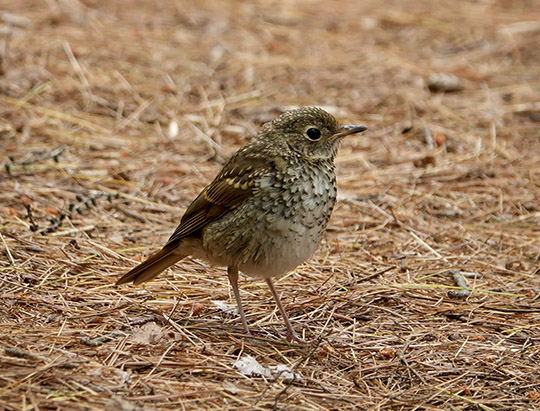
{"points": [[266, 211]]}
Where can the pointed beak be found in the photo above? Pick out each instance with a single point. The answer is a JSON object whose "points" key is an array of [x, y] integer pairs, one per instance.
{"points": [[346, 130]]}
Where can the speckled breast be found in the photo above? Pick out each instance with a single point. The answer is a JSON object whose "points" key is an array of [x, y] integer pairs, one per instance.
{"points": [[280, 225]]}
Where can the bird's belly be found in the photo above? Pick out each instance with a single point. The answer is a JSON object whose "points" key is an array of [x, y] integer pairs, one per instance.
{"points": [[266, 244], [281, 253]]}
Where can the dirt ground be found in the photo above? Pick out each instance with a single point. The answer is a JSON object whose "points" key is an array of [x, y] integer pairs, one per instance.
{"points": [[115, 114]]}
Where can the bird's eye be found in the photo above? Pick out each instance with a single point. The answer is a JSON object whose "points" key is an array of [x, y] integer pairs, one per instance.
{"points": [[313, 133]]}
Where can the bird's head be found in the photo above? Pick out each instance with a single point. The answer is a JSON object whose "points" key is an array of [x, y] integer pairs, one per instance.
{"points": [[309, 131]]}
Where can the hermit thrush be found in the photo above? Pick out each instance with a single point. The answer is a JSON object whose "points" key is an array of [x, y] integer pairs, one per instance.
{"points": [[266, 211]]}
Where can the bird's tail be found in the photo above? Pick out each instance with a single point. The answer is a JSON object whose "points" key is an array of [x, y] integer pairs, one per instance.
{"points": [[152, 266]]}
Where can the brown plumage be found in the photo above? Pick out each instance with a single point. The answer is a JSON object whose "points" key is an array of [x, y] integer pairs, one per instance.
{"points": [[267, 209]]}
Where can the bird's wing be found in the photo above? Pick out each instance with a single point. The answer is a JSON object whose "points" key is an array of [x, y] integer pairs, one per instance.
{"points": [[231, 187]]}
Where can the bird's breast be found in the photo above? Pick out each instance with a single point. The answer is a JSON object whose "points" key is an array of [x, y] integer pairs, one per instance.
{"points": [[279, 226]]}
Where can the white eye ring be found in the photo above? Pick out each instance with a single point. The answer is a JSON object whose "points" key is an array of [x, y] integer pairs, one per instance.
{"points": [[313, 133]]}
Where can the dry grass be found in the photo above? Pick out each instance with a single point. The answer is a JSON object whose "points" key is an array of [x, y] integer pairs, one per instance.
{"points": [[142, 102]]}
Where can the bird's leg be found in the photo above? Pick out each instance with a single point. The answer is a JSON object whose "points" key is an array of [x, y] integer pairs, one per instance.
{"points": [[232, 272], [291, 335]]}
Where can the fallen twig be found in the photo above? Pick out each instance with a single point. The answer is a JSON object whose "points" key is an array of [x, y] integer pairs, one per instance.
{"points": [[460, 282]]}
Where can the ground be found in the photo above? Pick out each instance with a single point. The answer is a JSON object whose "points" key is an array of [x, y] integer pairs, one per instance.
{"points": [[115, 114]]}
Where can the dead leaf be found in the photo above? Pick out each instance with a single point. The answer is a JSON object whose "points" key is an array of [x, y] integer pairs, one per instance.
{"points": [[249, 366], [149, 333]]}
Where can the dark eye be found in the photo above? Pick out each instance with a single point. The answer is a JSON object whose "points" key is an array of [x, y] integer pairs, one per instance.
{"points": [[313, 133]]}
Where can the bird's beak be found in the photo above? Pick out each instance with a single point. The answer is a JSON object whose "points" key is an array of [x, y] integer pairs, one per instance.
{"points": [[346, 130]]}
